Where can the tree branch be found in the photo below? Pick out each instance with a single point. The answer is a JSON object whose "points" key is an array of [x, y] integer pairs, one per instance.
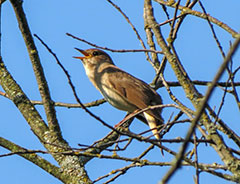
{"points": [[34, 158], [37, 68], [40, 129], [186, 10], [193, 95]]}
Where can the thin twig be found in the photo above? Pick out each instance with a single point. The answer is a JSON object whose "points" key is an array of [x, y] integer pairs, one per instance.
{"points": [[133, 28], [187, 10], [212, 29], [113, 50], [196, 159]]}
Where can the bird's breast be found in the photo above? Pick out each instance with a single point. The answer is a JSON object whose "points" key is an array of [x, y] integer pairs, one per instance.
{"points": [[99, 76]]}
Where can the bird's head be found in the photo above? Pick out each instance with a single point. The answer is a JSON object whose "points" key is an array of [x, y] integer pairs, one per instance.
{"points": [[94, 57]]}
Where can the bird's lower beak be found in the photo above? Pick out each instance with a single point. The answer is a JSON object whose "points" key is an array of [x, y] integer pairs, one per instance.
{"points": [[83, 52]]}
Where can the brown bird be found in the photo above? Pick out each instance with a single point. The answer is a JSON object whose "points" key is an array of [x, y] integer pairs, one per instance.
{"points": [[120, 89]]}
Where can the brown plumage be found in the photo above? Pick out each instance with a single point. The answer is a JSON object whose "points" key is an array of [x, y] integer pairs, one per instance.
{"points": [[121, 89]]}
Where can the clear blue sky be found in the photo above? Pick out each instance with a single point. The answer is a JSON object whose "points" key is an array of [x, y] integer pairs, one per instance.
{"points": [[97, 21]]}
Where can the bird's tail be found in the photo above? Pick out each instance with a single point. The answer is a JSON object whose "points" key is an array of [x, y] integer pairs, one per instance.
{"points": [[153, 124]]}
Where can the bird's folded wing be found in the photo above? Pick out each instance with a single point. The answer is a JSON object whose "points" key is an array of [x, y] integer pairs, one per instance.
{"points": [[134, 90]]}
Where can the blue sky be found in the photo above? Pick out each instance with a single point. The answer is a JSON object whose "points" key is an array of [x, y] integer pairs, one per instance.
{"points": [[98, 22]]}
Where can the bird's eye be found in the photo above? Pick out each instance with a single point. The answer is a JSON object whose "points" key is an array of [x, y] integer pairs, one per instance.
{"points": [[95, 53]]}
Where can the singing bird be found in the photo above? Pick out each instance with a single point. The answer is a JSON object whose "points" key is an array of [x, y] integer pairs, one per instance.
{"points": [[120, 89]]}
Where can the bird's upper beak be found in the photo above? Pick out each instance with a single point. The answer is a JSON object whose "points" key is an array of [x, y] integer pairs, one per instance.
{"points": [[86, 55]]}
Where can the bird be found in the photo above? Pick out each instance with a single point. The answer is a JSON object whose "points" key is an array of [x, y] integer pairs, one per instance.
{"points": [[121, 89]]}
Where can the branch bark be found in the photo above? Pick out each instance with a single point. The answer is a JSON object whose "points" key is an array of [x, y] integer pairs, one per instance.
{"points": [[194, 96], [69, 164]]}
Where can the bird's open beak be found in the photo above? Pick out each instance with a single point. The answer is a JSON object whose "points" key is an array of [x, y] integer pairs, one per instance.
{"points": [[86, 55]]}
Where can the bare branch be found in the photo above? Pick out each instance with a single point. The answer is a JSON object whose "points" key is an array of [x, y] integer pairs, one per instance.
{"points": [[37, 68], [200, 15], [112, 50], [200, 111], [31, 156]]}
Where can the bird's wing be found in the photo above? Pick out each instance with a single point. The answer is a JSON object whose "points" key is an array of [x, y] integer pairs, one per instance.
{"points": [[134, 90]]}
